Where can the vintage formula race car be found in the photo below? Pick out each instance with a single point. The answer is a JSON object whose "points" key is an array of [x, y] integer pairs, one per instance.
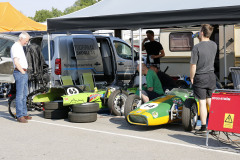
{"points": [[177, 104]]}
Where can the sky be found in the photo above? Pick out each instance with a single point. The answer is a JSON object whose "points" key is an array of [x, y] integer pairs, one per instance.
{"points": [[29, 7]]}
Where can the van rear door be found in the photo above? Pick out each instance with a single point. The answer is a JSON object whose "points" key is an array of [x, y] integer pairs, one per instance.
{"points": [[88, 56]]}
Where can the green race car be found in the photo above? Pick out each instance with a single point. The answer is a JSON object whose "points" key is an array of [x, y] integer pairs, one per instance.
{"points": [[177, 104]]}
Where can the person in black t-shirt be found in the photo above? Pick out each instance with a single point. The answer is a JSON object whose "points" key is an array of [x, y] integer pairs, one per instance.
{"points": [[153, 49]]}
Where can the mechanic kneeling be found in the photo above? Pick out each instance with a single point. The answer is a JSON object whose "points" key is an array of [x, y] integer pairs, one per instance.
{"points": [[154, 86]]}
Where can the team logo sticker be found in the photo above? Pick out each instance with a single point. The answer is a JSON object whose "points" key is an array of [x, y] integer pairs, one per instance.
{"points": [[149, 106], [155, 114]]}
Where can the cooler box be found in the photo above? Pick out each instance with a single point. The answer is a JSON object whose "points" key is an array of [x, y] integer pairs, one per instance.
{"points": [[224, 112]]}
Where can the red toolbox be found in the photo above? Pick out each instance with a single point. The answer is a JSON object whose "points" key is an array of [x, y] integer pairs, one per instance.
{"points": [[224, 112]]}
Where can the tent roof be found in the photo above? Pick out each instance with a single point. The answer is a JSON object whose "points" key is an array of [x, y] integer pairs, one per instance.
{"points": [[13, 20], [133, 14]]}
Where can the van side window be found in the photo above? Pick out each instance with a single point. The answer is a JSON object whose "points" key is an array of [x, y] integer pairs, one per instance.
{"points": [[180, 41], [5, 47], [123, 50]]}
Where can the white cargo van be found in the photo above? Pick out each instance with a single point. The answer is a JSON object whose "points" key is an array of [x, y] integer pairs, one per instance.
{"points": [[108, 58]]}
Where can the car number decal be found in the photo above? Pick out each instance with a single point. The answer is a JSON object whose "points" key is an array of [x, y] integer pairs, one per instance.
{"points": [[149, 106]]}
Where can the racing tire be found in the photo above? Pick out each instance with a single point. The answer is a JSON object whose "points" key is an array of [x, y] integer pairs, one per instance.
{"points": [[82, 117], [88, 107], [131, 104], [189, 114], [12, 107], [116, 102], [56, 114], [182, 84], [54, 105]]}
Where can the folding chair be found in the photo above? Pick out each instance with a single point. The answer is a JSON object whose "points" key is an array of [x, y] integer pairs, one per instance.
{"points": [[88, 81], [67, 80]]}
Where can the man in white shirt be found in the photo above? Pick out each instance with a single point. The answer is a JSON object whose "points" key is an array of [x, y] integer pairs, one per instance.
{"points": [[21, 77]]}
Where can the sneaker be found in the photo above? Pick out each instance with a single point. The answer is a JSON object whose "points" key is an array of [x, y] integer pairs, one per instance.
{"points": [[201, 132], [28, 117], [22, 120]]}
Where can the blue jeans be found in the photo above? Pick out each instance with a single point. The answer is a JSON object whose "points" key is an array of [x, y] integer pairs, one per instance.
{"points": [[21, 81]]}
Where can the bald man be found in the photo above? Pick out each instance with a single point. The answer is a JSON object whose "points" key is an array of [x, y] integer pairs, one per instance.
{"points": [[154, 86]]}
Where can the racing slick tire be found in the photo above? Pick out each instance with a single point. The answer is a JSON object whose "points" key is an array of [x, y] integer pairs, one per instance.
{"points": [[182, 84], [12, 106], [88, 107], [116, 102], [54, 105], [82, 117], [56, 114], [189, 114], [131, 104]]}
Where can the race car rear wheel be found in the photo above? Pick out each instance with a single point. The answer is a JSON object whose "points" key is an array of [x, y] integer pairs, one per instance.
{"points": [[117, 101], [133, 101], [189, 114]]}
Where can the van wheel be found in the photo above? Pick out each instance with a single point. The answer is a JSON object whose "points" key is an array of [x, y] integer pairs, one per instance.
{"points": [[189, 114], [117, 101], [133, 101], [88, 107], [82, 117]]}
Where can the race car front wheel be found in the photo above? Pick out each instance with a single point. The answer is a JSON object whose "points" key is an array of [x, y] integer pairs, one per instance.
{"points": [[117, 101], [189, 114], [133, 101]]}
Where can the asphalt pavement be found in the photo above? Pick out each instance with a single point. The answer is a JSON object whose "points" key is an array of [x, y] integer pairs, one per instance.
{"points": [[108, 138]]}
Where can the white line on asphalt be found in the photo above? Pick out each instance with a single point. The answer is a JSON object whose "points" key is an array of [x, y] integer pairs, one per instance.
{"points": [[135, 137]]}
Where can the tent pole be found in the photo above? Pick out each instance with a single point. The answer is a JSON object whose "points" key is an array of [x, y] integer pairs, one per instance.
{"points": [[140, 62], [225, 56], [132, 52], [49, 60]]}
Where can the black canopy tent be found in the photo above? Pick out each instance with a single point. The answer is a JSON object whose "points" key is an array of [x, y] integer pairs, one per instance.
{"points": [[134, 14], [138, 14]]}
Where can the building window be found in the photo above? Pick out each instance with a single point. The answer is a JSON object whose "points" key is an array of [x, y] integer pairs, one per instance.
{"points": [[180, 41]]}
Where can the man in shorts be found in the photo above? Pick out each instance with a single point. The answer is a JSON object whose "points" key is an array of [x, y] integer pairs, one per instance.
{"points": [[154, 86], [202, 72]]}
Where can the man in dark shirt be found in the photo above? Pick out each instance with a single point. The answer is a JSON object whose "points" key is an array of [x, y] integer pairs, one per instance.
{"points": [[153, 49], [202, 72]]}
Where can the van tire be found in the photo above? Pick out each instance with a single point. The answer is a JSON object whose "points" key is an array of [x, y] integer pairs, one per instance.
{"points": [[116, 102], [88, 107], [54, 105], [56, 114], [82, 117]]}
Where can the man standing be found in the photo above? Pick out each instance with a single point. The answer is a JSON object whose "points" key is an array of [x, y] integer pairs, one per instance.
{"points": [[153, 49], [202, 72], [21, 77], [154, 86]]}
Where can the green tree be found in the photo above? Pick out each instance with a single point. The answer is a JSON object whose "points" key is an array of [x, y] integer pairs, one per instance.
{"points": [[42, 15], [79, 4]]}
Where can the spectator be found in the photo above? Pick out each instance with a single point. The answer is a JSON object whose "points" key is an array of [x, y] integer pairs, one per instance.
{"points": [[202, 72], [153, 48]]}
